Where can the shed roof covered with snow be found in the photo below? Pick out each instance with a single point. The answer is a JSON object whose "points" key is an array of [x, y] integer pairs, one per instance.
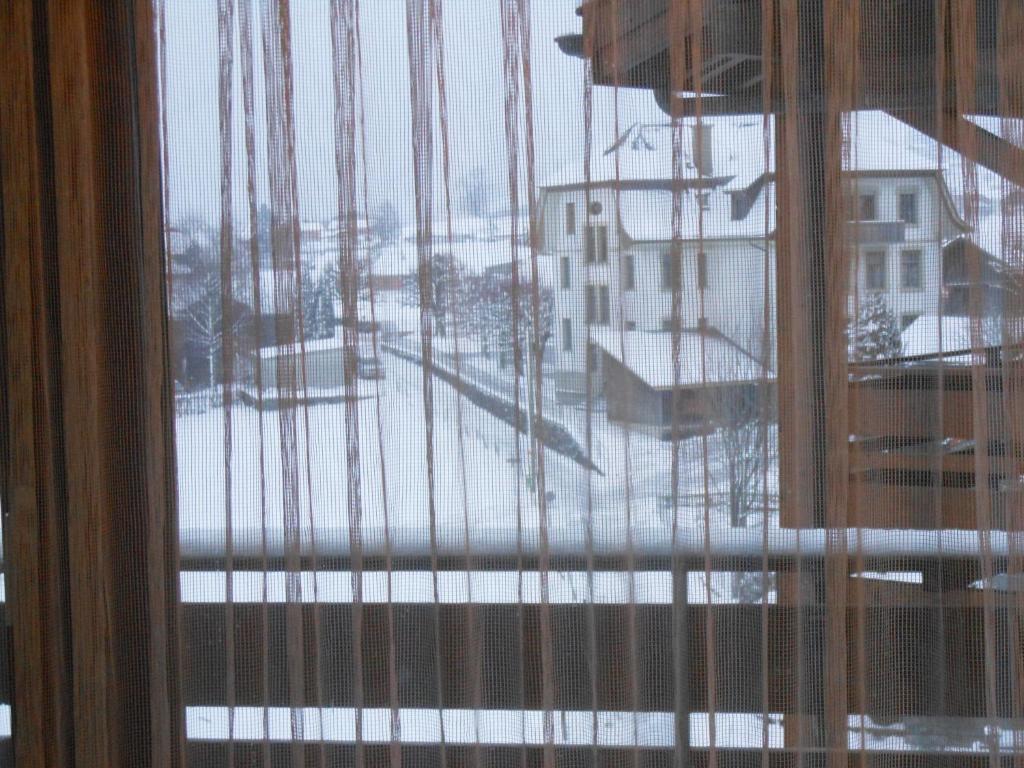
{"points": [[705, 358]]}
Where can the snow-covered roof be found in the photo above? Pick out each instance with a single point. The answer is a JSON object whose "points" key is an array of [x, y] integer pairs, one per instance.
{"points": [[742, 150], [336, 342], [643, 152], [927, 335], [396, 259], [646, 215], [649, 355], [312, 345]]}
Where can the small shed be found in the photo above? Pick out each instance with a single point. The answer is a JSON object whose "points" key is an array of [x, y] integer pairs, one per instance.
{"points": [[643, 382], [282, 366]]}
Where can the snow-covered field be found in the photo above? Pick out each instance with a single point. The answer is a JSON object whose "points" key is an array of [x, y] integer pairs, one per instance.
{"points": [[478, 486]]}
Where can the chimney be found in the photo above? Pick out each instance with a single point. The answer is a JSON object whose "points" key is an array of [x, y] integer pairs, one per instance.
{"points": [[703, 149]]}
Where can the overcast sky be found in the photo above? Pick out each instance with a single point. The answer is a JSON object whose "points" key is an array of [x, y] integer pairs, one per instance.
{"points": [[474, 67]]}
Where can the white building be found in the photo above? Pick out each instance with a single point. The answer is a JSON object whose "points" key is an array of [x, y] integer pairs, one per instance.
{"points": [[611, 237]]}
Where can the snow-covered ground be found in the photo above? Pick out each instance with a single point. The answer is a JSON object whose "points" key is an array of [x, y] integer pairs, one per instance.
{"points": [[724, 730], [477, 483]]}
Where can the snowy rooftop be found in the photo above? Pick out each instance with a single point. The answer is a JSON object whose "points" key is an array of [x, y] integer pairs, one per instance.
{"points": [[314, 345], [637, 147], [930, 335], [643, 152], [336, 342], [703, 358], [742, 148], [646, 215]]}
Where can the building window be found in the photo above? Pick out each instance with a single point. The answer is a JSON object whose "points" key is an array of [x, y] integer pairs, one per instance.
{"points": [[566, 274], [702, 269], [628, 272], [598, 305], [910, 270], [868, 207], [908, 207], [668, 325], [670, 273], [703, 199], [874, 271], [566, 334], [597, 244], [570, 218], [630, 325]]}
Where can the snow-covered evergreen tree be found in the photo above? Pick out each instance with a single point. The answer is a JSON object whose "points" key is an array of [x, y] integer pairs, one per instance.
{"points": [[875, 333], [317, 304]]}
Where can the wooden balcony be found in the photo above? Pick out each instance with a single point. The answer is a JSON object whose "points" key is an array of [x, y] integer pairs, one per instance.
{"points": [[914, 460]]}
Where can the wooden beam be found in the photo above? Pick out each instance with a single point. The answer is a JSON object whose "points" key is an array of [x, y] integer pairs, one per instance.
{"points": [[974, 142]]}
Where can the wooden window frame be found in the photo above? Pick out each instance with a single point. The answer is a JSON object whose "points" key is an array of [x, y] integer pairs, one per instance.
{"points": [[89, 439]]}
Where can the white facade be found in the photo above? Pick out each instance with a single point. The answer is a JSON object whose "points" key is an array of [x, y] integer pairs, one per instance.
{"points": [[634, 277], [888, 268], [725, 228]]}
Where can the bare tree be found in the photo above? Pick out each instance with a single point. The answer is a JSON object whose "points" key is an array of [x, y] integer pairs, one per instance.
{"points": [[204, 323], [744, 414]]}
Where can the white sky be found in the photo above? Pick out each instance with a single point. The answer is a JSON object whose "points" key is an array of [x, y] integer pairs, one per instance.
{"points": [[474, 75]]}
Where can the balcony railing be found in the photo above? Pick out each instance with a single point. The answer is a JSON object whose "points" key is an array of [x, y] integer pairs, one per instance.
{"points": [[589, 593]]}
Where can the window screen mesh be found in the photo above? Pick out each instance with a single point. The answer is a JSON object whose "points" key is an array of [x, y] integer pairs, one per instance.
{"points": [[644, 396]]}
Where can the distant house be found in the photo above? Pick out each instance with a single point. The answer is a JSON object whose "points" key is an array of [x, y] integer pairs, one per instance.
{"points": [[391, 266], [609, 238], [999, 287], [313, 366]]}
